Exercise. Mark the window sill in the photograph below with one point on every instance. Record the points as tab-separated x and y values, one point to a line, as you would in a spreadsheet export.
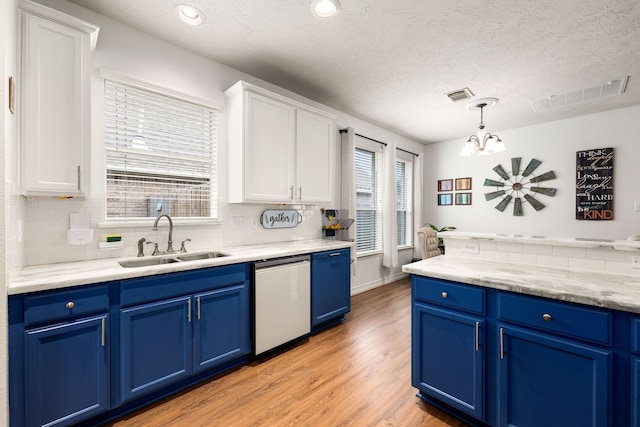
147	222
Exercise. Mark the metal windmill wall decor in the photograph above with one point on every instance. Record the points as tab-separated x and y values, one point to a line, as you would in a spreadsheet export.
517	186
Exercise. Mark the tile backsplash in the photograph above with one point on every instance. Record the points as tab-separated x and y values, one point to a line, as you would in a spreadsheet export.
553	254
46	220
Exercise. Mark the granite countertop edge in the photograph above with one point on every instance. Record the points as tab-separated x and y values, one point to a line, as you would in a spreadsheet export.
606	290
62	275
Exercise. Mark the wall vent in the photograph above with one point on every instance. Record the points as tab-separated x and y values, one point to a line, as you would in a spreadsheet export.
602	90
460	94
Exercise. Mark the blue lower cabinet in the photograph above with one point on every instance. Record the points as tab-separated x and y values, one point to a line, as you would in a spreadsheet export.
155	346
635	391
220	327
548	381
448	358
168	341
66	372
330	287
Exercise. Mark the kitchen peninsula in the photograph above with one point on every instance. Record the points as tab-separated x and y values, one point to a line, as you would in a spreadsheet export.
503	343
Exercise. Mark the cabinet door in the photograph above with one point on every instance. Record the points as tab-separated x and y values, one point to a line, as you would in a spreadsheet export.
155	346
269	150
448	358
330	286
635	392
538	372
313	157
221	326
67	369
54	121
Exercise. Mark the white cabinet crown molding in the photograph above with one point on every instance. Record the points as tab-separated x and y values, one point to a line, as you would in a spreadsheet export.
62	18
297	104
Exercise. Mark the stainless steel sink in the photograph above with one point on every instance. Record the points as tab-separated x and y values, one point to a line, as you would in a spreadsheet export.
145	262
201	255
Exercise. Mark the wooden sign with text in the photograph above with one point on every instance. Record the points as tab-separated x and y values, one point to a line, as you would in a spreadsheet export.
594	184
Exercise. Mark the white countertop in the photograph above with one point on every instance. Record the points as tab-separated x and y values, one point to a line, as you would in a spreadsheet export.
612	291
54	276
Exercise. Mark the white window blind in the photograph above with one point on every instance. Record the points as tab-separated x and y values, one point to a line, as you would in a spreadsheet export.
161	155
368	166
404	186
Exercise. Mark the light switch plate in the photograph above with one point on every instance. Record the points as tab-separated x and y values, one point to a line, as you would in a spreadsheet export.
635	262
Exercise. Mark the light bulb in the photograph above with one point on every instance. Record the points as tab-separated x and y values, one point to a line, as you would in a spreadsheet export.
325	8
189	14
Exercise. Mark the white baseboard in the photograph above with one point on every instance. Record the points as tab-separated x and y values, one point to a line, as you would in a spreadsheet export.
363	287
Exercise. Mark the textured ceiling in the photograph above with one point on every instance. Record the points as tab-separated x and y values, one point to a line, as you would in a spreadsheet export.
391	62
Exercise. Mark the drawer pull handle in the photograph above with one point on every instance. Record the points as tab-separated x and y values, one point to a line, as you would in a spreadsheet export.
477	336
445	295
189	310
198	308
70	305
501	343
546	317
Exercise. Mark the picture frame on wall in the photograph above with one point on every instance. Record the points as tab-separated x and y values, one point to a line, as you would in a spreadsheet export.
463	184
445	199
445	185
463	198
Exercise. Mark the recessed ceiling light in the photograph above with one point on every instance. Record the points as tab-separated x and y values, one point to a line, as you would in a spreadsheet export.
325	8
190	14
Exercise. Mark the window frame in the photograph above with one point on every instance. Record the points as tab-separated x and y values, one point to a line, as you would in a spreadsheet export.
376	149
161	91
409	210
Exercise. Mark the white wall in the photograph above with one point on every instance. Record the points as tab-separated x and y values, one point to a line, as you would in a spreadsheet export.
555	144
7	136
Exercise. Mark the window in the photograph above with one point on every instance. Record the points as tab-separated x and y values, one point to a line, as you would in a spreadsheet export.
160	154
404	196
368	165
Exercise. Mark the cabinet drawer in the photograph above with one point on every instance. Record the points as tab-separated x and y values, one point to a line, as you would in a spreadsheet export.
562	318
61	305
449	294
155	288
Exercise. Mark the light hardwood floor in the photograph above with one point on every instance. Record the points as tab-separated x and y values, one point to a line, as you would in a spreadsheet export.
354	374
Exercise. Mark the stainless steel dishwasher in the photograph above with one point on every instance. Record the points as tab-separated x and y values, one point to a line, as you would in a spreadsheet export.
282	301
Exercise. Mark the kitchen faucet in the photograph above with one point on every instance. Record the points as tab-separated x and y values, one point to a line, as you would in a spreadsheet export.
155	228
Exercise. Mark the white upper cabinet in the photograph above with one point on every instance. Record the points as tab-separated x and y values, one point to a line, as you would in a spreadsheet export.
280	150
54	100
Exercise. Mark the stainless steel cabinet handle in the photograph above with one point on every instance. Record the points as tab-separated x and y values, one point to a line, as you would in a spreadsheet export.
291	190
546	317
104	330
477	336
79	178
300	193
189	310
335	254
70	305
445	295
501	343
198	308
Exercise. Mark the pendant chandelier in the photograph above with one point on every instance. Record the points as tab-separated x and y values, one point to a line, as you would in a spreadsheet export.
484	142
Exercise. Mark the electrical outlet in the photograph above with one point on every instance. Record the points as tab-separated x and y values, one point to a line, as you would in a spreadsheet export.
470	248
635	262
636	206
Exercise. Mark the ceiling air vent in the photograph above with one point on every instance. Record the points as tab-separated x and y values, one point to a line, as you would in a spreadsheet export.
602	90
460	94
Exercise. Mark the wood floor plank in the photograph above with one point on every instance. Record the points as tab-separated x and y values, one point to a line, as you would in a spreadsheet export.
354	374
